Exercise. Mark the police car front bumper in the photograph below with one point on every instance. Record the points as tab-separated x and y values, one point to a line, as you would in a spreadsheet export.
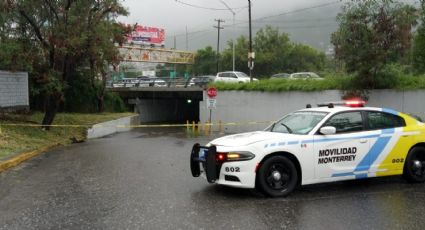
204	161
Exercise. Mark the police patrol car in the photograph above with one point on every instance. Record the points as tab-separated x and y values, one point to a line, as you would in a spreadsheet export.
316	145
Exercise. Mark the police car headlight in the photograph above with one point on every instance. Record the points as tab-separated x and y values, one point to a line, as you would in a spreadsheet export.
235	156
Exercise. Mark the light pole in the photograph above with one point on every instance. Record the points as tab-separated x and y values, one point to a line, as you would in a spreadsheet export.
233	39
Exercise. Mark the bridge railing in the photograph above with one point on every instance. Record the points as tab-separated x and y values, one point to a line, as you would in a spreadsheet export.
160	82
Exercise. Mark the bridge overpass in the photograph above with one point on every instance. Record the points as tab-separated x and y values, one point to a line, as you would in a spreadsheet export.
163	104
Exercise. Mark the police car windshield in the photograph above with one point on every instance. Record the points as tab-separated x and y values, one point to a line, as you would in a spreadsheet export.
298	122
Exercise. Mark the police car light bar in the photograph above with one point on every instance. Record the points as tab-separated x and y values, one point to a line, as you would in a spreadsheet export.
355	103
349	103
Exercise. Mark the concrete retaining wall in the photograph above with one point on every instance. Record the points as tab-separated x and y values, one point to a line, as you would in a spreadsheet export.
110	127
14	91
241	106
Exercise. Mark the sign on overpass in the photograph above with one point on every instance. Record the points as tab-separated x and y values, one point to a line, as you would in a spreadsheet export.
155	55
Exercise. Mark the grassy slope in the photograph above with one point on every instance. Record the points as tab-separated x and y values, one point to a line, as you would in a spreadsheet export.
15	139
329	83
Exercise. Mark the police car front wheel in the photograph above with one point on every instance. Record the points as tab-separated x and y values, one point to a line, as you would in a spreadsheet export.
414	168
277	176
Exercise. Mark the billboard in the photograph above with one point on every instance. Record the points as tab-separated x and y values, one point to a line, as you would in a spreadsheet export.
144	35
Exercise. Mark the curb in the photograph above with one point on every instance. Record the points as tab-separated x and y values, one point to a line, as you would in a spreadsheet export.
16	160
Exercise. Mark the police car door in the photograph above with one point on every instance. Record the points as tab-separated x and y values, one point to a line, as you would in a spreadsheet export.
342	155
388	151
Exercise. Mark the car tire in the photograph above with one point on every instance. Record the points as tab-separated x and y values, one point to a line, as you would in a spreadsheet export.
414	166
277	176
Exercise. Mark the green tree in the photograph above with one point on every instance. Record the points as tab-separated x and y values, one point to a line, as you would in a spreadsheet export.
272	51
419	43
65	37
305	58
205	62
241	55
372	34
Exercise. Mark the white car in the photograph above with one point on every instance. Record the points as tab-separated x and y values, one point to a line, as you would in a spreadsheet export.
233	77
305	75
316	145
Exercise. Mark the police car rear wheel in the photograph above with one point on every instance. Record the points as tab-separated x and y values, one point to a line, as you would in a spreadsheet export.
277	176
414	168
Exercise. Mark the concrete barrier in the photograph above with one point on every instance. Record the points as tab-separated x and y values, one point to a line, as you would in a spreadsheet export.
14	95
111	127
245	106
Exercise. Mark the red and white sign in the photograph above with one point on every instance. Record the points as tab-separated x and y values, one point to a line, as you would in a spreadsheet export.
211	103
144	35
212	92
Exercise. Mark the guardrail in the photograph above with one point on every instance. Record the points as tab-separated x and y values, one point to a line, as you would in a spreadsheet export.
158	82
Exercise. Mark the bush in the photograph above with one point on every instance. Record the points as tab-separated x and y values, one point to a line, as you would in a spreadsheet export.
281	85
391	77
114	103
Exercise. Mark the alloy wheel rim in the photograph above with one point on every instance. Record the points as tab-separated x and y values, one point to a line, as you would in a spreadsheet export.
418	166
278	177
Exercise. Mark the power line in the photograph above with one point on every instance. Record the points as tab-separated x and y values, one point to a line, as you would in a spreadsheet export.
194	32
270	16
298	10
208	8
298	20
293	27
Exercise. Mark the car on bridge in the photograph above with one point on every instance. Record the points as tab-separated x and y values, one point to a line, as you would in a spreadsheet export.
280	76
233	77
203	81
125	82
305	75
332	142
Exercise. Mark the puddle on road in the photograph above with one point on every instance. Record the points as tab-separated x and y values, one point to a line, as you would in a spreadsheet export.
200	130
176	132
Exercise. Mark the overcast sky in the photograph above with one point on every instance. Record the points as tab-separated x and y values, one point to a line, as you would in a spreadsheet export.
175	15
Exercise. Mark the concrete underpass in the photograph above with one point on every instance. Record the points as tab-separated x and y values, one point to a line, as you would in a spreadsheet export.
163	105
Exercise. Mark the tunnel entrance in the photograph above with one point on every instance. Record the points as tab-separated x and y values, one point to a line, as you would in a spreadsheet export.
164	105
168	110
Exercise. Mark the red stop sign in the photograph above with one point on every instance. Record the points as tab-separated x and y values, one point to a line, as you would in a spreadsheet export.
212	92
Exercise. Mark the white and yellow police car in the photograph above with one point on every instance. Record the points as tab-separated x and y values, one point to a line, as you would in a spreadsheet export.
316	145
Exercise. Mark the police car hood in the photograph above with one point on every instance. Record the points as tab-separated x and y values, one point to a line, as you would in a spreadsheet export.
248	138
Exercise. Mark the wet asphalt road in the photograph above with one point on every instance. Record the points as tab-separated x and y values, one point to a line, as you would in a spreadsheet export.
141	180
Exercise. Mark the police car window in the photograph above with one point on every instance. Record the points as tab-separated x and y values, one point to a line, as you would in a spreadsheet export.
298	122
346	122
379	120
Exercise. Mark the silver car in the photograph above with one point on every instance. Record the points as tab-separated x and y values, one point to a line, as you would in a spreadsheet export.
305	75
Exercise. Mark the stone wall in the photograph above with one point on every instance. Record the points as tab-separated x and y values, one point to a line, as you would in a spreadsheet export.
14	93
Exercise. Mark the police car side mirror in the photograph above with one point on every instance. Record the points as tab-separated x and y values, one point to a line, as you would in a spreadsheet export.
328	130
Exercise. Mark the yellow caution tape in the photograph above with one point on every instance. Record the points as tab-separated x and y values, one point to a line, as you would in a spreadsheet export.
139	126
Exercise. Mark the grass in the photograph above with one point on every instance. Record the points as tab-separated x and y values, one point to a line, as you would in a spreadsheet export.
409	82
15	139
282	85
331	82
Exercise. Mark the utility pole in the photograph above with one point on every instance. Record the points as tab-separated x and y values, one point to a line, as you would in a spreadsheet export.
175	66
250	55
219	21
187	40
